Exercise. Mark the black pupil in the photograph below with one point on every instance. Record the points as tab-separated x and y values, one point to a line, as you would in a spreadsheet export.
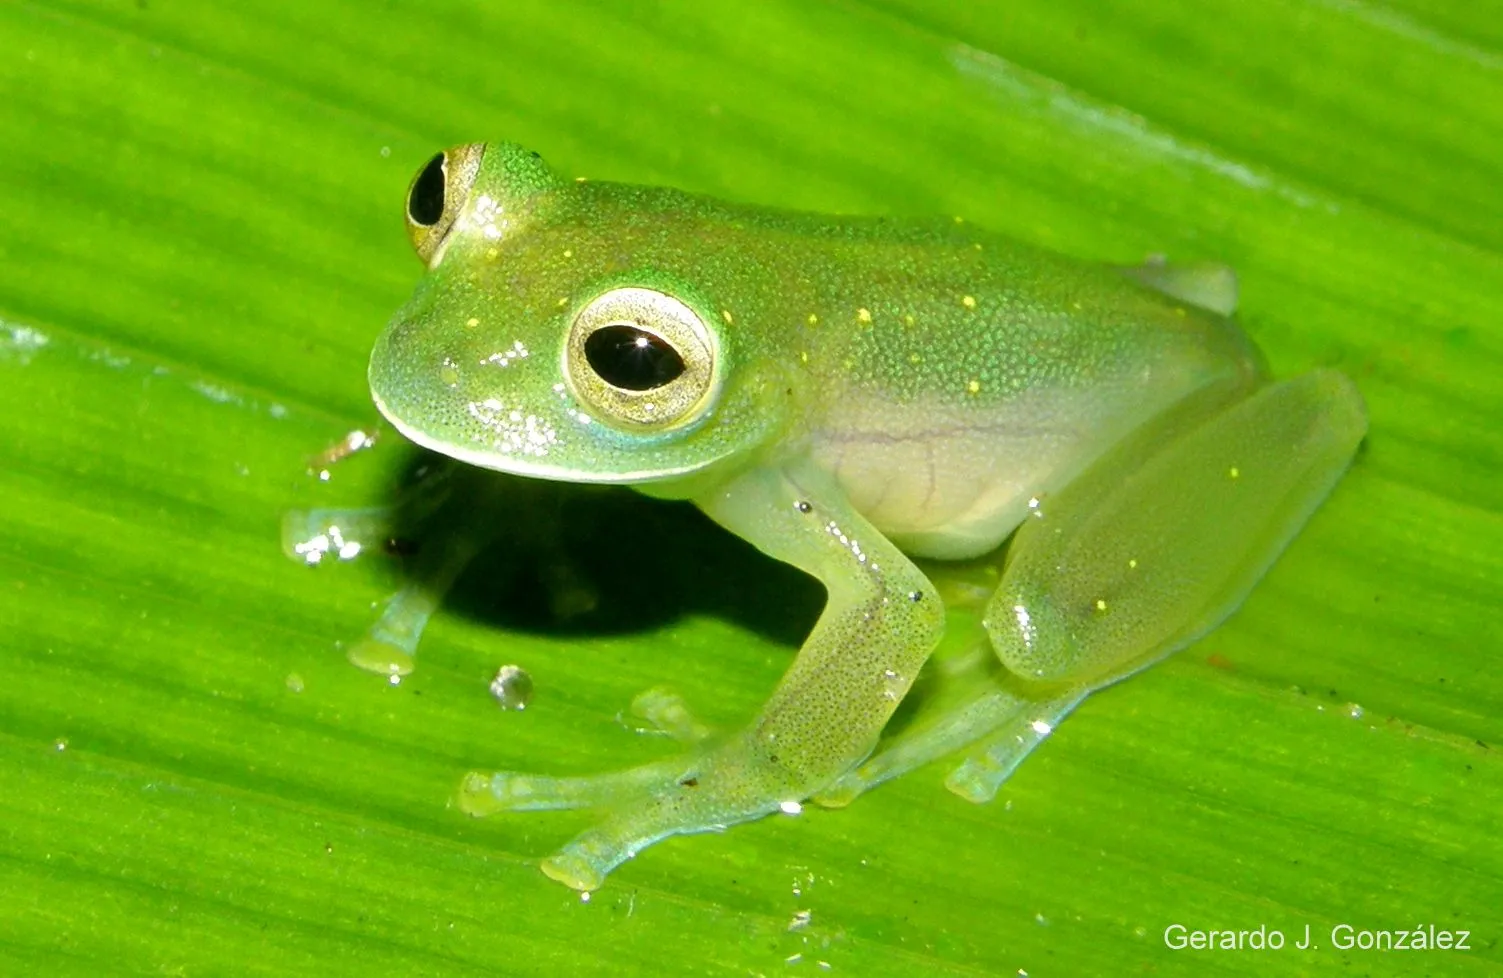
631	358
425	205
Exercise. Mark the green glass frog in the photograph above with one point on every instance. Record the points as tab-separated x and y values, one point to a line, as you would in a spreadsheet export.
1089	464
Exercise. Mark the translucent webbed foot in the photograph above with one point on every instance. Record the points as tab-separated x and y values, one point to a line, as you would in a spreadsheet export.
700	792
312	536
389	646
945	734
666	713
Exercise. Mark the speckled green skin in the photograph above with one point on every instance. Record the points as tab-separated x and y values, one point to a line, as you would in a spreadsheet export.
887	389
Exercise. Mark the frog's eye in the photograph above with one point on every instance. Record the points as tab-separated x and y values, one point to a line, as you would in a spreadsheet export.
436	197
641	358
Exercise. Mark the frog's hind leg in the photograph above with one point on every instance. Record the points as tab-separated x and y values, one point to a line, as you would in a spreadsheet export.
1149	550
1132	561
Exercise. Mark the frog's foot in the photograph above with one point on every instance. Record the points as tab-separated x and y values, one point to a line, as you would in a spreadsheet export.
701	792
665	712
389	646
999	725
949	732
314	536
979	776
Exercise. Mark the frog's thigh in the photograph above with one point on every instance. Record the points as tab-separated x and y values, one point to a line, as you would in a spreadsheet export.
1131	562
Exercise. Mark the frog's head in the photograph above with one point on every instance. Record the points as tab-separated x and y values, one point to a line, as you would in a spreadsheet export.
562	334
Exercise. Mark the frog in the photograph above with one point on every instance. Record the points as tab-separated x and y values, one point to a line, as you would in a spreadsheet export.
1075	466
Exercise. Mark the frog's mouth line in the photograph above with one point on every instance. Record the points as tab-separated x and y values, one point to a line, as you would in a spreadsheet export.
516	463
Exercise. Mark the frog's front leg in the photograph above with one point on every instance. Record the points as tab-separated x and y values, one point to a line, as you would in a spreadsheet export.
882	620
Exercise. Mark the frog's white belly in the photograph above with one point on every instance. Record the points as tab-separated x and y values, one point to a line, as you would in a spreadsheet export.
952	484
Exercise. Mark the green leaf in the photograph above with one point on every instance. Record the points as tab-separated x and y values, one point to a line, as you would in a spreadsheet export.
202	237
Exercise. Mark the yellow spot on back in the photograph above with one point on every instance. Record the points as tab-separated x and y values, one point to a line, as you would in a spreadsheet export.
813	319
914	358
1100	604
908	319
1132	563
974	386
1234	472
492	253
472	322
727	314
563	301
969	301
977	246
864	316
568	252
803	356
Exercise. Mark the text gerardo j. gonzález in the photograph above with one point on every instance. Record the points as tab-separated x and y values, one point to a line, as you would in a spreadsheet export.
1305	937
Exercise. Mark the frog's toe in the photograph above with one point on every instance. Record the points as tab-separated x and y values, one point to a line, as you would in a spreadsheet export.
378	655
487	792
977	780
666	712
979	776
841	792
575	869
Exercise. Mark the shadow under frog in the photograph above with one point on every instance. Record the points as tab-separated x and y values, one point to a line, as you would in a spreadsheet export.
554	559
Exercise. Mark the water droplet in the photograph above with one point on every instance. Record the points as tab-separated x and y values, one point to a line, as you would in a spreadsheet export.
294	682
512	688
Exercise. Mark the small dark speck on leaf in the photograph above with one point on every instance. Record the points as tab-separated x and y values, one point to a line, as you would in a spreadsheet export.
398	547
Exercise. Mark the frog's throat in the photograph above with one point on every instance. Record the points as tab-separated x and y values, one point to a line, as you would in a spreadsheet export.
530	468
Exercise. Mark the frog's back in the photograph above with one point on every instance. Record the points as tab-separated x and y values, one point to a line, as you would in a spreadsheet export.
958	379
